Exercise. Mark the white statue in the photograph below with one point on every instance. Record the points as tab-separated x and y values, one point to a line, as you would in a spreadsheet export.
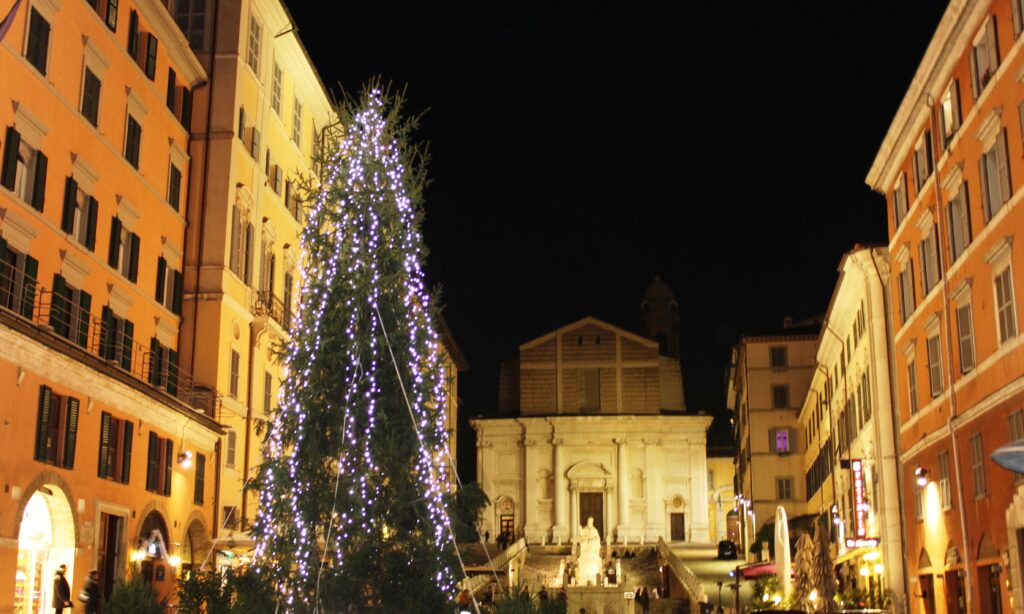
590	553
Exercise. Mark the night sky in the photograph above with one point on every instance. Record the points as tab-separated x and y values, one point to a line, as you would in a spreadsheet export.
580	149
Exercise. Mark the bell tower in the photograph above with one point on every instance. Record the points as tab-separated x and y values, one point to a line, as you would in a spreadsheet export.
660	314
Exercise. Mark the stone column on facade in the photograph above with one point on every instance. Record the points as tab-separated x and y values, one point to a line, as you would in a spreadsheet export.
574	513
560	533
623	487
529	490
698	531
654	516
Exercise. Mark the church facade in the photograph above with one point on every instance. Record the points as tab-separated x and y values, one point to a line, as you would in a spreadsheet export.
592	424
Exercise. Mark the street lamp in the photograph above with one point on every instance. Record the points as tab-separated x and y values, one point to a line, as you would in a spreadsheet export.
921	473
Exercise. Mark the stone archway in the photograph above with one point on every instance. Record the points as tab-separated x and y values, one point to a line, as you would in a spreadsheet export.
196	544
47	538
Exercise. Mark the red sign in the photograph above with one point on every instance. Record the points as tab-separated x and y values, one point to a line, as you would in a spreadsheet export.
860	506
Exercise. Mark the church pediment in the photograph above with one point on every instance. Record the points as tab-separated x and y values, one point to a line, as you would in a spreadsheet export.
589	322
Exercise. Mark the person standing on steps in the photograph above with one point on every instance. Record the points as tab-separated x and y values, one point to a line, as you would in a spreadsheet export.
61	591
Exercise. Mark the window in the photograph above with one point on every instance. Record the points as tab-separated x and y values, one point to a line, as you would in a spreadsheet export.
589	390
269	266
994	171
132	141
150	64
912	385
1017	13
133	35
37	46
930	272
780	396
919	500
123	255
275	90
780	440
242	239
944	492
17	280
69	312
252	57
934	365
906	281
79	216
254	143
268	382
899	199
172	89
949	112
287	293
230	517
190	16
784	487
232	445
169	286
984	57
297	123
1017	425
91	97
160	461
777	356
978	465
200	485
1006	315
186	108
117	339
958	211
291	200
115	448
111	18
276	178
24	169
163	366
174	187
241	124
965	335
233	375
56	429
923	160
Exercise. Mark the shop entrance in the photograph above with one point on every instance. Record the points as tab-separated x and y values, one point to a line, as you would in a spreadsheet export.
46	540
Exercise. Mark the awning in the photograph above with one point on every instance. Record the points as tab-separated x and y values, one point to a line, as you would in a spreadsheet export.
852	554
1010	456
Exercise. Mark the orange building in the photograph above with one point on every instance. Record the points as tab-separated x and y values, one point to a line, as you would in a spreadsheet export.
951	168
106	460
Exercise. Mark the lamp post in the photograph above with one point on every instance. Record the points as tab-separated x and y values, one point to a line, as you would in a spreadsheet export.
719	583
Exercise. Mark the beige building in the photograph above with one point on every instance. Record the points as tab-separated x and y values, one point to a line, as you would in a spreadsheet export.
723	521
767	382
599	431
851	468
255	131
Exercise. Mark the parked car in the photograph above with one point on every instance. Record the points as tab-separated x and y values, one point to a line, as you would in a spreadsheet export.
727	550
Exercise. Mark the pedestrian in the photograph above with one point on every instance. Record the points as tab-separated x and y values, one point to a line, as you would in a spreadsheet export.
543	594
487	536
644	599
61	591
90	595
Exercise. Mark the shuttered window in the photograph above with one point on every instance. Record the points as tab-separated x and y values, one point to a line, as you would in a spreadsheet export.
174	187
780	396
994	171
230	448
133	35
160	462
78	218
958	212
132	141
949	112
906	282
56	429
923	159
1006	312
115	453
934	365
945	495
24	169
965	334
37	47
233	375
930	272
117	339
17	280
200	485
978	465
899	199
91	97
172	90
984	57
150	63
912	385
69	312
123	253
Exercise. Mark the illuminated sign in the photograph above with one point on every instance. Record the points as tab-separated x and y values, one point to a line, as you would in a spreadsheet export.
860	505
864	542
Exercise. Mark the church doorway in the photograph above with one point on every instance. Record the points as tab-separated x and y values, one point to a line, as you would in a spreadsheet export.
46	540
592	505
678	526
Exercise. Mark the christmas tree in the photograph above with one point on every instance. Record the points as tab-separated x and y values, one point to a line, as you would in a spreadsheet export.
802	565
353	507
821	570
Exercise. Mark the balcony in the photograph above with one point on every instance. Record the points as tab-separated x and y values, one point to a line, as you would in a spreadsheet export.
70	328
266	305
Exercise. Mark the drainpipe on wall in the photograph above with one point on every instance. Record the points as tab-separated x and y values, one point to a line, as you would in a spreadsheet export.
950	425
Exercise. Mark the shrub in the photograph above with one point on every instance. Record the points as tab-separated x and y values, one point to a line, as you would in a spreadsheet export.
133	595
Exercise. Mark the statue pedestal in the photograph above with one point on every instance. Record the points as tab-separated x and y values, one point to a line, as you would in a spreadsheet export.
589	569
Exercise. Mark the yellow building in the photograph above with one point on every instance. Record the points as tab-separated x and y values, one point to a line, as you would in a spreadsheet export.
105	458
255	132
723	521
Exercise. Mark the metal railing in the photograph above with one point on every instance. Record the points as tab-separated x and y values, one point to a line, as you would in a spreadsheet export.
686	576
65	317
266	304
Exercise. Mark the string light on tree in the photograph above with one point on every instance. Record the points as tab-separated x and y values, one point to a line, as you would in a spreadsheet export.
352	499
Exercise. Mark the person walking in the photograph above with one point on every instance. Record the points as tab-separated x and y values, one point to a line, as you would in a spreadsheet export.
644	599
91	593
61	591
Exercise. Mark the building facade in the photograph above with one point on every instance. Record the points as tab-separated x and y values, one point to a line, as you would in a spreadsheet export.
851	471
109	455
599	432
255	128
951	169
767	382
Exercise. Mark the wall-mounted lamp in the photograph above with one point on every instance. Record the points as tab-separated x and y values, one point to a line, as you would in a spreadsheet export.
185	460
921	474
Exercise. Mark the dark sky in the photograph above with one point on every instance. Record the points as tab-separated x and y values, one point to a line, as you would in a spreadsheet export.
579	149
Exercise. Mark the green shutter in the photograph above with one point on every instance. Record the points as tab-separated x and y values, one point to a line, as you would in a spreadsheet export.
90	229
200	487
67	217
115	242
108	338
126	454
84	317
104	464
39	182
176	298
70	433
161	275
152	464
154	362
28	292
59	308
9	171
172	372
127	342
133	255
43	423
168	465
